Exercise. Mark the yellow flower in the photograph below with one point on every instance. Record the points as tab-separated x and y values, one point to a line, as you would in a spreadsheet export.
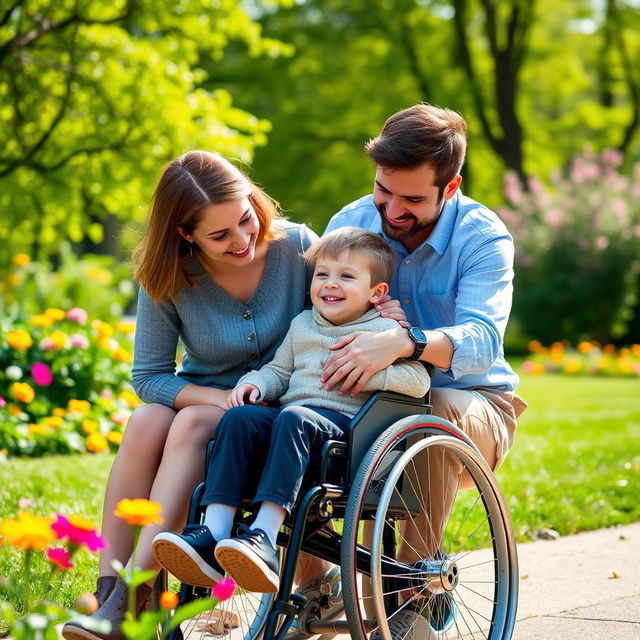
14	280
89	426
122	355
573	366
101	275
115	437
59	339
79	406
102	328
41	320
19	339
96	443
59	412
36	429
21	259
130	398
53	421
23	392
169	600
27	532
138	512
126	327
54	314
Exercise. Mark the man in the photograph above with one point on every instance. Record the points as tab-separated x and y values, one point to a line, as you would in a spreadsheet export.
454	281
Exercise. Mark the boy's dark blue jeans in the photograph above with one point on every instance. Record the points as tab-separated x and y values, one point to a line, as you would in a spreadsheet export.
265	451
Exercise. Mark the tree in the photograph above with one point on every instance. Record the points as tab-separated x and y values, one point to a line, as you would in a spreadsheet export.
95	96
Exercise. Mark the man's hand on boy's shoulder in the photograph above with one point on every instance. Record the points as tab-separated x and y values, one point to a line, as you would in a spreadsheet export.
360	355
390	308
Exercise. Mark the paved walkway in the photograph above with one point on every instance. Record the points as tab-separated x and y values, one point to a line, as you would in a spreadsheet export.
581	587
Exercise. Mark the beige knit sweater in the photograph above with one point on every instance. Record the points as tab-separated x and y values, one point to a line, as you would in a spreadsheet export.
293	375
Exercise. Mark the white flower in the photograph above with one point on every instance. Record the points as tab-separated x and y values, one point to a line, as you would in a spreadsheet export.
13	372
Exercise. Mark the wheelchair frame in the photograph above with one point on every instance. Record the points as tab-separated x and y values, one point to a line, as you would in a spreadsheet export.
342	467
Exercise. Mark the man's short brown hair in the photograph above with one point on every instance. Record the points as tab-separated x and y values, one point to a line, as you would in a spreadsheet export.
382	260
419	135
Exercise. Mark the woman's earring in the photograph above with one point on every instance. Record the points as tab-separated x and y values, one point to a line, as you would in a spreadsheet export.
191	249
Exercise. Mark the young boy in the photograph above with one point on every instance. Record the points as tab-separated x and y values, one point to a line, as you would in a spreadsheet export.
351	269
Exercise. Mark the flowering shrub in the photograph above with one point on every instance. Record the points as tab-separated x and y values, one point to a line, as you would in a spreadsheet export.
97	283
587	358
64	383
577	251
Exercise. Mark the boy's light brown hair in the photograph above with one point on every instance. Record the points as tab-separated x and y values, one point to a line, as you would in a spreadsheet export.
382	260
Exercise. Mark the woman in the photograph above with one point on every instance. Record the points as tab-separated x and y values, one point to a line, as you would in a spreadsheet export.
211	266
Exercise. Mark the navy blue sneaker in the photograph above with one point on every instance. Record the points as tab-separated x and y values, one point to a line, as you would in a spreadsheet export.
189	556
443	612
250	560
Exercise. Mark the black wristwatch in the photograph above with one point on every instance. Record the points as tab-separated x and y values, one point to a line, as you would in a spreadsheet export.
420	339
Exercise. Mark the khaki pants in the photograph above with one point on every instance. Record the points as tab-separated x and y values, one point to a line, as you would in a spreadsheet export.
488	417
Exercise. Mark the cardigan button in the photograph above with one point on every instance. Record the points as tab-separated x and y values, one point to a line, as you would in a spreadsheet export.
246	314
250	336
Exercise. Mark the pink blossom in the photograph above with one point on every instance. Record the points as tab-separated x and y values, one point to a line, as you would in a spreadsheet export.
612	157
512	188
526	261
619	207
528	366
554	218
80	532
60	557
77	315
47	344
224	589
26	503
41	374
79	341
117	417
105	393
602	242
3	403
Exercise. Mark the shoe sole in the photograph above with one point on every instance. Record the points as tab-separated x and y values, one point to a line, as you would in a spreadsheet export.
73	632
247	569
182	561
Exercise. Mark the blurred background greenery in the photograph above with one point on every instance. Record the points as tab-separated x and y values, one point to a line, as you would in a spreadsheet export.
96	96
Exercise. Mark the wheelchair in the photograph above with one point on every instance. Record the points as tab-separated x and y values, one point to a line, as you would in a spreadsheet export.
397	545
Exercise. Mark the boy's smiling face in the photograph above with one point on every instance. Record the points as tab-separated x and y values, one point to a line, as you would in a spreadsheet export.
341	288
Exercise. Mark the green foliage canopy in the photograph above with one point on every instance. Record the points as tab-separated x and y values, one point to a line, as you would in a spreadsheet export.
95	96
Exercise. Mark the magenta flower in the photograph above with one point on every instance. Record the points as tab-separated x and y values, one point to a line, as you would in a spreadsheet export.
79	341
60	557
3	403
41	374
78	531
77	315
224	589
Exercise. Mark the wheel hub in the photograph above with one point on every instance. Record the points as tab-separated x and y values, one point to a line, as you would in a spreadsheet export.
437	575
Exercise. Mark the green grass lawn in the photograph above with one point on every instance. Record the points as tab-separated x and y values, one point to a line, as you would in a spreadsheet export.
575	466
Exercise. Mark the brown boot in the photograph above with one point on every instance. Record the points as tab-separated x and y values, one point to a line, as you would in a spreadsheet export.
104	587
112	610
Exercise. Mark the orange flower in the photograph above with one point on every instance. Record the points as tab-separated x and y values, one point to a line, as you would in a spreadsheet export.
14	410
115	437
28	532
23	392
534	346
122	355
89	426
138	512
585	347
53	421
168	600
96	443
19	339
130	398
79	406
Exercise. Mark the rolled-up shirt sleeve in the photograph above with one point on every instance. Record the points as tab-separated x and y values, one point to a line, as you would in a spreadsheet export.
153	376
482	307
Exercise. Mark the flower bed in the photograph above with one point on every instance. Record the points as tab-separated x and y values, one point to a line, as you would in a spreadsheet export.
64	383
587	358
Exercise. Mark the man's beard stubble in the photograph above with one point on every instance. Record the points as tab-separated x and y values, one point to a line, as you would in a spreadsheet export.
416	227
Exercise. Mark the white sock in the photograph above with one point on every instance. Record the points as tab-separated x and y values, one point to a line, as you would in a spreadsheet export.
270	519
219	519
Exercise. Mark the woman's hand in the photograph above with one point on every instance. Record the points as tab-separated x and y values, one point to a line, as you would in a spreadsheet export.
390	308
237	395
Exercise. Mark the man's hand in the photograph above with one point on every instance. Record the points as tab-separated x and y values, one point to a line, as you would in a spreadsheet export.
357	357
390	308
238	394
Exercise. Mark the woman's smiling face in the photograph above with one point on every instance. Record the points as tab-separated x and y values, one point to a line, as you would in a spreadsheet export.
226	234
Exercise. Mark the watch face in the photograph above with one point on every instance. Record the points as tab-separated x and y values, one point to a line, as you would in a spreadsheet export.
418	335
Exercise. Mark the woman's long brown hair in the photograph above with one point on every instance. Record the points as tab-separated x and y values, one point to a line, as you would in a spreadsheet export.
189	184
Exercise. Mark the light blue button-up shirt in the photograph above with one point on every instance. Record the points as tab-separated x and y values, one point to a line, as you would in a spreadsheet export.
458	281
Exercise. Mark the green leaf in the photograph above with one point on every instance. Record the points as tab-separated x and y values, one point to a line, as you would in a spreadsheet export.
189	610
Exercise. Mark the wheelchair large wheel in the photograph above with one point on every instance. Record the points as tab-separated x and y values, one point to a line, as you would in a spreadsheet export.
440	563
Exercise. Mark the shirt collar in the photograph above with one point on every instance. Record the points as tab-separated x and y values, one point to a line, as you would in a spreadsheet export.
441	234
